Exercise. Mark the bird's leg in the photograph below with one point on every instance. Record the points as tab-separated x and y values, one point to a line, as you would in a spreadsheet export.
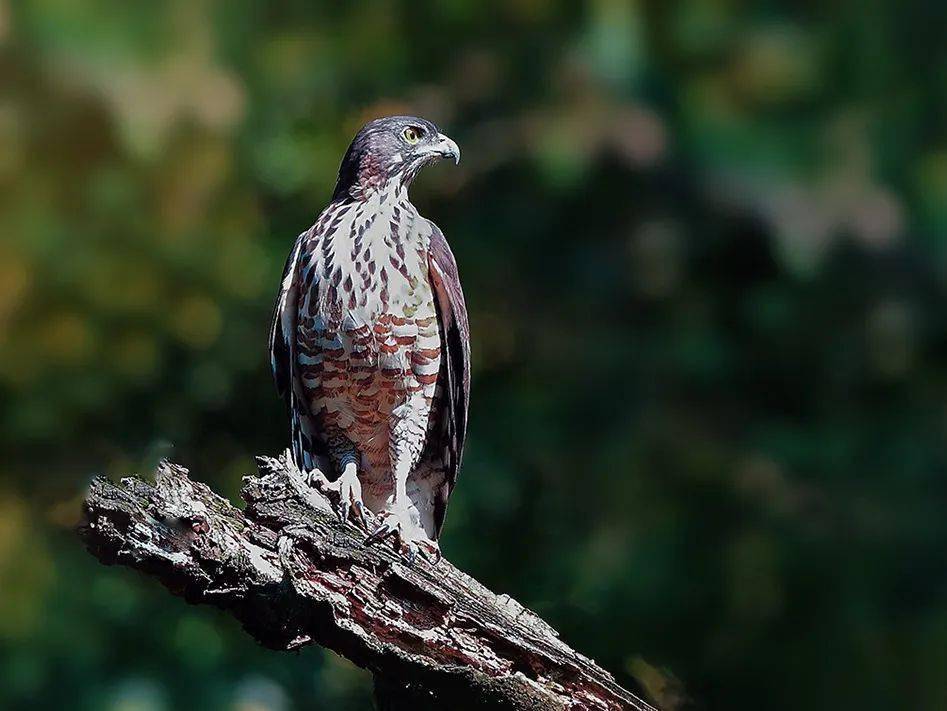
396	519
390	519
347	487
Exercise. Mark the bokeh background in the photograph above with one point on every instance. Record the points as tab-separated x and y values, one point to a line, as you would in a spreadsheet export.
704	245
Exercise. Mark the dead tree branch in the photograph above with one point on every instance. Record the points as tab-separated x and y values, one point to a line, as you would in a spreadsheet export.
293	575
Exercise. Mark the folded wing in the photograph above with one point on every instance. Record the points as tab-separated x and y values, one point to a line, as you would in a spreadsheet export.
449	436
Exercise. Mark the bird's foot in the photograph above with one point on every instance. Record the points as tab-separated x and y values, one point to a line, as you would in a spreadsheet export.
408	538
348	490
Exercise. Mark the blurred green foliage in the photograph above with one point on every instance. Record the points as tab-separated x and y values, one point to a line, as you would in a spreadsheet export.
704	245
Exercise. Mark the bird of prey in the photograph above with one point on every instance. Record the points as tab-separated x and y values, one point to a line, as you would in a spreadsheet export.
370	343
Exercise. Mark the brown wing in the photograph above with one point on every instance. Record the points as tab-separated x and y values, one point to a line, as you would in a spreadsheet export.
455	338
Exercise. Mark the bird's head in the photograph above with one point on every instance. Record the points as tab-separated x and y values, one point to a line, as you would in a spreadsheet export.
388	153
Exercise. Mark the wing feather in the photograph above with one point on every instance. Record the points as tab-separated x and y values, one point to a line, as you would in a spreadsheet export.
306	447
283	325
455	339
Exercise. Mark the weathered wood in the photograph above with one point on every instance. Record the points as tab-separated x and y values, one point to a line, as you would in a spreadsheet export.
294	574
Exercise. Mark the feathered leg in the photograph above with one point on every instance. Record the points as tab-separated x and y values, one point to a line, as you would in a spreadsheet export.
347	486
400	518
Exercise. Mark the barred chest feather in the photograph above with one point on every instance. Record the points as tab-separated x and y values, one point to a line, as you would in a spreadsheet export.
368	344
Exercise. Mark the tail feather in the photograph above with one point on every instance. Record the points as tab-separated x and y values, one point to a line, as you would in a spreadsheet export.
308	451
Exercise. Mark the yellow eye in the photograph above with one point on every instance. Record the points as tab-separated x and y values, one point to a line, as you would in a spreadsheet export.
411	135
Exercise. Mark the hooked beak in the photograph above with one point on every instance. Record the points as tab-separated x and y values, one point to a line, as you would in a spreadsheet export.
446	148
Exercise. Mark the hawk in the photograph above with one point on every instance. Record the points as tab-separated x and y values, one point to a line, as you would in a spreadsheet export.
370	345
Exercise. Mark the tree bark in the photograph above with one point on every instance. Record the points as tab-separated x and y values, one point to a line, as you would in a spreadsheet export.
293	574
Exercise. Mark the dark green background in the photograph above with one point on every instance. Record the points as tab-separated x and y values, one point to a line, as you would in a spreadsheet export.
704	246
